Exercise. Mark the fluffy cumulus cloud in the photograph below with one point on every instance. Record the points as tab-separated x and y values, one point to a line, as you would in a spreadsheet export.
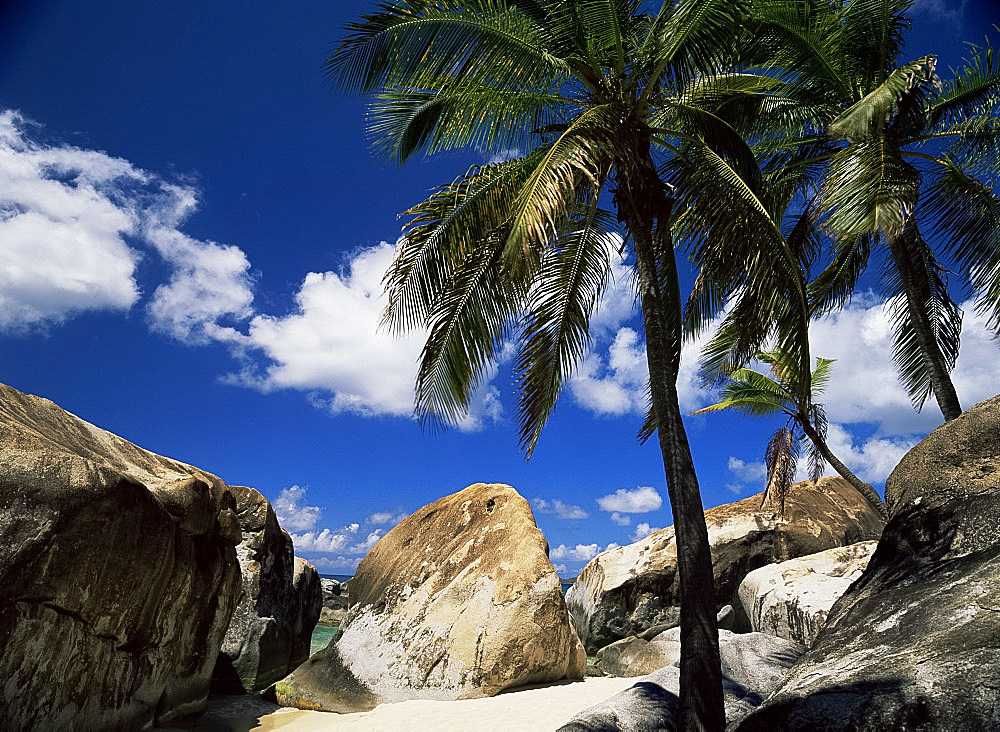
744	473
74	225
620	519
641	500
864	386
561	510
292	514
578	553
611	380
386	518
642	530
331	346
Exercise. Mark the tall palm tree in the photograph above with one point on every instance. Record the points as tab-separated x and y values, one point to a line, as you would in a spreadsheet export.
597	92
792	393
904	154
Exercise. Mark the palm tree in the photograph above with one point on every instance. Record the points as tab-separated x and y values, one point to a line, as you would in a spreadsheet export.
904	154
791	393
596	92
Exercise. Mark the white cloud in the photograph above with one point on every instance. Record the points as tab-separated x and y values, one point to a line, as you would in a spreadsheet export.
63	227
363	547
864	386
561	510
380	518
291	514
872	460
210	281
643	530
949	10
67	216
560	569
578	553
747	472
620	519
641	500
342	563
325	541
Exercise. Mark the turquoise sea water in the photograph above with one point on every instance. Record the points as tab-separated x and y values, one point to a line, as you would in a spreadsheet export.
321	637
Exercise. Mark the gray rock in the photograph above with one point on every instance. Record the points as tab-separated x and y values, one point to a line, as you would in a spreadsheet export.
627	590
280	601
753	664
457	601
915	642
792	599
118	572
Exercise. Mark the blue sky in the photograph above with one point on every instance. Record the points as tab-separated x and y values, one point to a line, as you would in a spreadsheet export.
192	234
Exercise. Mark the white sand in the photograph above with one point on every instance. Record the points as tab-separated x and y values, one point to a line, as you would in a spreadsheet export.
530	708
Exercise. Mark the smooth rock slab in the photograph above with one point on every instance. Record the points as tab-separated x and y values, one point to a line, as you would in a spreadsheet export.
915	642
626	590
792	599
457	601
118	574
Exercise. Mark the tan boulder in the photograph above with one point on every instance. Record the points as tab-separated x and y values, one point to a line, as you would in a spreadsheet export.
118	572
457	601
792	599
626	590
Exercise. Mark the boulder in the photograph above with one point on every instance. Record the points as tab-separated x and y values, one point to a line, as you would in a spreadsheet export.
457	601
914	643
792	599
335	601
753	664
626	590
279	604
119	575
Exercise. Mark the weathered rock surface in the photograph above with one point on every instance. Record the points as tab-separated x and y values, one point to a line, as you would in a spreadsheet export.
279	604
626	590
753	665
792	599
457	601
335	601
118	573
915	642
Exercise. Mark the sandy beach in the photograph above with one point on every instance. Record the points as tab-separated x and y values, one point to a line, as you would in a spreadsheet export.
544	707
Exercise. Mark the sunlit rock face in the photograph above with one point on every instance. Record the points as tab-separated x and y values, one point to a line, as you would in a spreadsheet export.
280	601
792	599
626	590
458	601
915	642
118	573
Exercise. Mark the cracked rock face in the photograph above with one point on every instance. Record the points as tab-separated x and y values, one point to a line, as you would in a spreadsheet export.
915	642
118	574
625	591
458	601
280	601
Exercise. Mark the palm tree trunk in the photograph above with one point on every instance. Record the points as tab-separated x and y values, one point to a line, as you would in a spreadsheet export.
863	488
702	706
937	370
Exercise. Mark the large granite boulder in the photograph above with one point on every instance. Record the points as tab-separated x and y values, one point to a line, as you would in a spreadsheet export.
626	590
279	604
915	642
753	664
118	573
792	599
457	601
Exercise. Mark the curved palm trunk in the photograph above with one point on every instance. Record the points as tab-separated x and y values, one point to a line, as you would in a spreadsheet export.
937	369
863	488
702	708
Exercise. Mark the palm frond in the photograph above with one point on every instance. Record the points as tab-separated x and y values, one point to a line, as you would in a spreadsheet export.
965	217
413	43
861	119
918	282
555	334
973	91
751	393
834	286
816	461
820	378
443	229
